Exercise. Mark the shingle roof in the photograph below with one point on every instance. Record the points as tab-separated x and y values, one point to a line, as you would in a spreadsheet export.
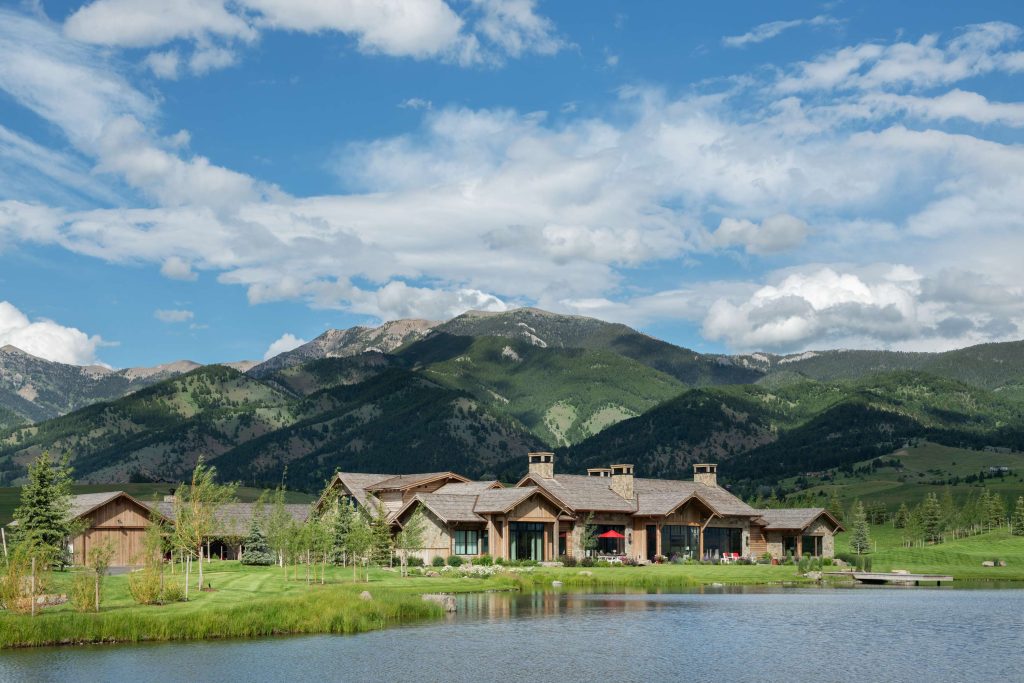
793	518
401	481
357	483
84	502
469	487
721	500
235	519
500	500
449	507
583	492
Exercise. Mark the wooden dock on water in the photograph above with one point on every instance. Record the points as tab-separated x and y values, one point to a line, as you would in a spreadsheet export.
904	578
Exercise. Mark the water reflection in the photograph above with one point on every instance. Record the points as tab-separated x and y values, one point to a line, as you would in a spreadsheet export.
714	634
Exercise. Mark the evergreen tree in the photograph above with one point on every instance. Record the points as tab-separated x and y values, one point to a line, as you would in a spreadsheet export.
44	514
981	508
381	542
1018	518
931	519
256	551
342	523
948	508
996	511
902	517
834	507
860	535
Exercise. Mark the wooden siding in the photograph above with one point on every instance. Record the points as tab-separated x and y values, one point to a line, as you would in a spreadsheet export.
121	522
758	542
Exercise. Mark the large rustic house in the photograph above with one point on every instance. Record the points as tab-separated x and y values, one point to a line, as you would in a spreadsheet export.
543	515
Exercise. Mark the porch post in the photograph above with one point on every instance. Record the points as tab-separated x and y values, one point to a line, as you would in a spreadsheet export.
657	540
556	540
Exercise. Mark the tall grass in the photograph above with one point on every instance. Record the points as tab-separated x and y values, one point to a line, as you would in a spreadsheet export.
330	610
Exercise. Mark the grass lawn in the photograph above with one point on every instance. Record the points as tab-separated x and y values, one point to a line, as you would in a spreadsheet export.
959	558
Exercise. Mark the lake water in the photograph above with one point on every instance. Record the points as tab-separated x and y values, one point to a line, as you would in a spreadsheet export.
750	634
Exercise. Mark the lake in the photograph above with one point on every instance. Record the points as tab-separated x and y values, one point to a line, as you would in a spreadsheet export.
714	634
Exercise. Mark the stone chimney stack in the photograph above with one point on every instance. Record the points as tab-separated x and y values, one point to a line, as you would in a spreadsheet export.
706	473
622	480
599	471
542	464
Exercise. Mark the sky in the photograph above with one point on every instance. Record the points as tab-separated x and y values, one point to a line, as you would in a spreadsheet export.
223	180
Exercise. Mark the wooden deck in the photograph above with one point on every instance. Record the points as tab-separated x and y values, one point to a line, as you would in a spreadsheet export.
894	577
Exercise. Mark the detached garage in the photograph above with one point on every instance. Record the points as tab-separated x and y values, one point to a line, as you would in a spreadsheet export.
112	517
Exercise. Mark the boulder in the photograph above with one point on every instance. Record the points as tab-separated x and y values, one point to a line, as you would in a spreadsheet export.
446	601
365	595
586	573
432	573
556	584
988	563
1002	563
814	576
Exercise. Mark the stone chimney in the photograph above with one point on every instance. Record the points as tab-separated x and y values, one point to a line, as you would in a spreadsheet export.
599	472
542	464
622	480
706	473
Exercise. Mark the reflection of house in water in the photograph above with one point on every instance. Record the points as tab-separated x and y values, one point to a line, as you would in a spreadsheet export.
542	516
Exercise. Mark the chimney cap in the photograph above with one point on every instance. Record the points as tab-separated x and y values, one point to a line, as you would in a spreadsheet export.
541	456
622	468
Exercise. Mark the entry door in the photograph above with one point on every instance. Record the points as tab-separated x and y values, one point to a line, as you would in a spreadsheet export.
652	541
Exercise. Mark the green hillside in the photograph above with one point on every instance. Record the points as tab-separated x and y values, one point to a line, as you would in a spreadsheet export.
561	395
767	434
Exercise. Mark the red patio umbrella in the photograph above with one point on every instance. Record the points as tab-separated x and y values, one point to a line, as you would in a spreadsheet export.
611	533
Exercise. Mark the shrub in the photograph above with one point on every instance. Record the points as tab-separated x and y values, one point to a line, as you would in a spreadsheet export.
173	592
83	592
602	563
867	564
144	587
587	562
438	561
630	562
484	561
567	561
454	561
414	561
803	565
827	562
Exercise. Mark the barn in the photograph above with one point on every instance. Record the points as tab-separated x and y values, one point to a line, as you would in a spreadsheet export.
111	517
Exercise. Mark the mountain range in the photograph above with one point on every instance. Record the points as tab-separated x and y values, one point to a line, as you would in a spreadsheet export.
475	392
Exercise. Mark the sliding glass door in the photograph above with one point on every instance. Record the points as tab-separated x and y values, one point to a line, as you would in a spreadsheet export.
526	540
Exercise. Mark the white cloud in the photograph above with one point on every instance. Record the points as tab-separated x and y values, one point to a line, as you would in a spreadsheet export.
46	338
164	64
177	268
420	29
771	29
398	300
776	233
174	315
286	342
416	103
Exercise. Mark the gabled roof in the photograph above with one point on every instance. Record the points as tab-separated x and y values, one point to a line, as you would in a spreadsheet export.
469	487
235	519
716	497
503	500
401	482
448	507
663	504
581	492
84	503
795	519
357	484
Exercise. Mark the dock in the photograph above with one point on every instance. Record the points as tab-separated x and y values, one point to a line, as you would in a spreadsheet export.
905	578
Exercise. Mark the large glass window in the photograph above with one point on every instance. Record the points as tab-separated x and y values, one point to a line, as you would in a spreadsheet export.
811	545
466	541
680	541
718	540
526	540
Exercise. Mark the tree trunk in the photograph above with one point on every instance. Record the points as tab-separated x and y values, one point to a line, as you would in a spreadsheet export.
199	586
97	590
188	571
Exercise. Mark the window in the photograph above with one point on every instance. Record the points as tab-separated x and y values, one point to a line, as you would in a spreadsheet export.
526	540
720	540
811	545
679	541
466	541
485	543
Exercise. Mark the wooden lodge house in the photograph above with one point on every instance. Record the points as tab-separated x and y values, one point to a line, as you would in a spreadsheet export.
541	517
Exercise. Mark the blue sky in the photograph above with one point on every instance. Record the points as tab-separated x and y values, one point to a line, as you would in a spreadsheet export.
216	180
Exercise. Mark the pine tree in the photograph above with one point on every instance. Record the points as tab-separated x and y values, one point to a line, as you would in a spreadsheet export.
902	516
381	544
44	514
996	511
835	508
981	508
256	551
342	522
860	536
948	508
1018	518
931	519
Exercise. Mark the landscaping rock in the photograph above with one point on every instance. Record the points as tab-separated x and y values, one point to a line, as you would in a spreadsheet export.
814	576
1002	563
365	595
586	573
840	563
446	601
432	573
988	563
556	584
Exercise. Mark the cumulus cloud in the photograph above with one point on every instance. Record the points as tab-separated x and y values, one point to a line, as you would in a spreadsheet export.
46	338
177	268
398	300
776	233
286	342
486	31
173	315
771	29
